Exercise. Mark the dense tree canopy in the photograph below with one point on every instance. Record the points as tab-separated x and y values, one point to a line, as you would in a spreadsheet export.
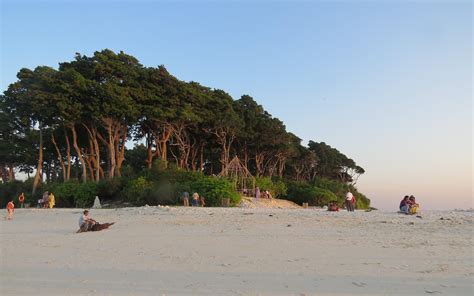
78	122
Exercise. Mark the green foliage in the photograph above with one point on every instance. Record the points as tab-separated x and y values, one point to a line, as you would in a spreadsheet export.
300	192
88	102
137	190
73	194
111	189
276	187
214	190
11	191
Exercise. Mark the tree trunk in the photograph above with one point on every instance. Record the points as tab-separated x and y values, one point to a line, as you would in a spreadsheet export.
39	168
60	157
11	173
201	162
68	153
79	153
259	157
150	154
120	148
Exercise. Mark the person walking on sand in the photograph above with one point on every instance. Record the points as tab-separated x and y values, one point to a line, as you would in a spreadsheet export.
10	209
186	199
349	201
52	201
21	199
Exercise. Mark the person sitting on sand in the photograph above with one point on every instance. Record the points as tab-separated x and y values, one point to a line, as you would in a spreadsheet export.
10	209
404	205
268	194
85	222
333	206
413	206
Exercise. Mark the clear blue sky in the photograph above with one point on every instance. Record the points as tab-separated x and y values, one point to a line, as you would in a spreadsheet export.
388	83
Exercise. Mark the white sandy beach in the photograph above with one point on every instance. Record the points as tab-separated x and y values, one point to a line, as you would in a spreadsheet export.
234	251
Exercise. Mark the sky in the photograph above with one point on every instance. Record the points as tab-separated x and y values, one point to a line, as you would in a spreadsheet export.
388	83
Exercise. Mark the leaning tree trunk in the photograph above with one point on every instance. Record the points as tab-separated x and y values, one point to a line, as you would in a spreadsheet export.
39	168
68	156
60	157
79	153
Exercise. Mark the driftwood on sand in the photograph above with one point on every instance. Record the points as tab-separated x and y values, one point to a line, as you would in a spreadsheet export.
95	227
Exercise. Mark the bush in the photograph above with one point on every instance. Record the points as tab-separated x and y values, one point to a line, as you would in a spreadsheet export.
276	188
74	194
11	191
214	190
111	189
303	192
137	190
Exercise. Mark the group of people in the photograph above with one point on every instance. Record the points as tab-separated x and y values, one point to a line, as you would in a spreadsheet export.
47	201
196	201
349	202
262	194
11	206
408	205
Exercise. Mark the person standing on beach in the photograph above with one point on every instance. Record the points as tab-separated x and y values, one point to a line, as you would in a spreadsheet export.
186	199
195	201
202	201
45	199
21	199
349	201
10	209
257	192
51	201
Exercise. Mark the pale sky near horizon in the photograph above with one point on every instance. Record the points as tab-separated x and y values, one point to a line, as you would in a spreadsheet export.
388	83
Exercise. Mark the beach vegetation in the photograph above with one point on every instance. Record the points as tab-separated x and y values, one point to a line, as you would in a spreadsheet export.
141	134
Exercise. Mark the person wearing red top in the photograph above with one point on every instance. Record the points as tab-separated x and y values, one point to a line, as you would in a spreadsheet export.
21	199
10	210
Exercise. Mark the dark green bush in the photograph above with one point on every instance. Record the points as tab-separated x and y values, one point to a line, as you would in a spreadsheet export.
276	187
74	194
214	190
303	192
11	191
111	189
137	190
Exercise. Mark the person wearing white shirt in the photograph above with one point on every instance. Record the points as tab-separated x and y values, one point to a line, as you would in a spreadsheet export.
350	202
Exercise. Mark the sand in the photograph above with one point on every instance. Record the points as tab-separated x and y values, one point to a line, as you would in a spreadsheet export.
235	251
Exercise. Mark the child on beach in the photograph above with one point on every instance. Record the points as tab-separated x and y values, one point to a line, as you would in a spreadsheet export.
10	210
413	206
21	199
195	201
